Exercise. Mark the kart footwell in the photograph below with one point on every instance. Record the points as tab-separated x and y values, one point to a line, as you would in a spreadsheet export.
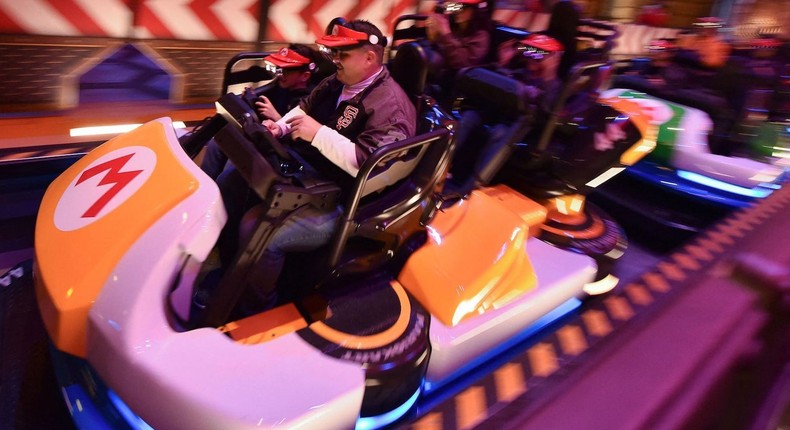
665	343
26	373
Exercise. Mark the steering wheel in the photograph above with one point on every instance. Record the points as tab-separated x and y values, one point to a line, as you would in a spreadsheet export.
250	95
251	124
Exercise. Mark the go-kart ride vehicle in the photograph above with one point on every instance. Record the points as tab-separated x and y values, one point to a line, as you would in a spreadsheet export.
141	211
558	157
683	186
732	147
404	299
683	156
722	145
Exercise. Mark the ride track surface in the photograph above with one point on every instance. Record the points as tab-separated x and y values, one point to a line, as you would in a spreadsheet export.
513	388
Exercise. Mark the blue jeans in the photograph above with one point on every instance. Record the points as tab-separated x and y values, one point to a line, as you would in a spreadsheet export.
477	143
307	229
310	229
214	160
471	126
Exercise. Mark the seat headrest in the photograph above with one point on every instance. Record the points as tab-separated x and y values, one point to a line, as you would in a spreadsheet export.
492	91
409	68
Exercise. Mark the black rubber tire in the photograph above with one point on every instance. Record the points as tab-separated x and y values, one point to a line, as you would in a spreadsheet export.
394	371
605	249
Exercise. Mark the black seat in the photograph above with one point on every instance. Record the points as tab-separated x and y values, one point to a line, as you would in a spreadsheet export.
597	38
394	192
388	217
406	28
409	68
504	98
252	72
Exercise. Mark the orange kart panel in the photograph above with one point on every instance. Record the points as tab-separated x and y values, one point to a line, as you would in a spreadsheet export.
92	214
532	212
642	116
476	257
265	326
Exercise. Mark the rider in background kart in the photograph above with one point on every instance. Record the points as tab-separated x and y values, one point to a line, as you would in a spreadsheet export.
460	32
768	70
765	57
534	61
296	66
345	118
705	46
658	70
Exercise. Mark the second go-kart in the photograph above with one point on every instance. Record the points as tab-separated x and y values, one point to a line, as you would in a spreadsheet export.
404	298
683	156
558	157
723	144
682	186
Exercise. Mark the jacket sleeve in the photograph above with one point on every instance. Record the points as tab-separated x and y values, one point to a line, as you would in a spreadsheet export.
285	128
390	124
391	117
337	149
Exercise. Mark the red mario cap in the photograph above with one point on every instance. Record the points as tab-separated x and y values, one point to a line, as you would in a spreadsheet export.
476	3
543	43
660	45
289	59
344	37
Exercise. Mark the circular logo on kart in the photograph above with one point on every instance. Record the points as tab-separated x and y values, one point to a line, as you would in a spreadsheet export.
103	186
658	110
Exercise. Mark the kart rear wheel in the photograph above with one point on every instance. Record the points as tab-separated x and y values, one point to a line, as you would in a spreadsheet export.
383	329
597	235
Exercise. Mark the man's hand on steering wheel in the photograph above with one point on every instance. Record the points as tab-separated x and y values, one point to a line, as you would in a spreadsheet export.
273	128
304	127
264	134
